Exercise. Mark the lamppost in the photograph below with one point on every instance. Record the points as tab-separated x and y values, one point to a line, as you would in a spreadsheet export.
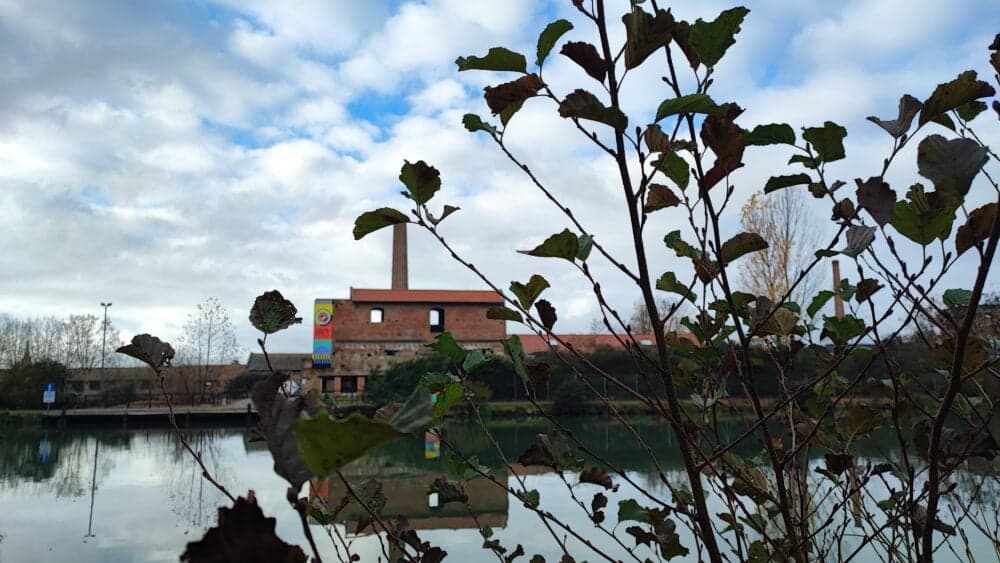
104	339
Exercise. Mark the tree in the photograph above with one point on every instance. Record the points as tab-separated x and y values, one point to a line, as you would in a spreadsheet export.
207	339
670	313
784	221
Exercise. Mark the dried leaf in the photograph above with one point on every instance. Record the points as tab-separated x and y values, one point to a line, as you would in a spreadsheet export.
449	491
546	313
585	55
596	476
908	108
876	197
659	197
948	96
149	349
581	104
271	312
512	94
645	33
243	534
978	227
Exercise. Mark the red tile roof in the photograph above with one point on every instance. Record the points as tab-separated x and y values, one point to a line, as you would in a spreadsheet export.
425	296
534	344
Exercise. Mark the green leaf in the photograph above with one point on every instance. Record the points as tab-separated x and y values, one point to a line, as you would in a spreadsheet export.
779	182
475	123
675	168
527	293
549	36
581	104
948	96
957	297
739	245
371	221
327	445
804	160
977	227
908	108
451	395
415	414
858	419
818	302
645	33
499	313
498	58
531	498
668	282
659	197
969	110
446	345
422	181
827	141
711	39
515	350
683	249
841	330
770	134
472	360
692	103
271	312
924	217
507	98
586	244
951	165
563	245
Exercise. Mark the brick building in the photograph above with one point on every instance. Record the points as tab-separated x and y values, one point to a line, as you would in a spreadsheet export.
358	337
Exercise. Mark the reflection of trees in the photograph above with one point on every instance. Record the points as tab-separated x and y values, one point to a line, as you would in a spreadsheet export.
188	497
68	469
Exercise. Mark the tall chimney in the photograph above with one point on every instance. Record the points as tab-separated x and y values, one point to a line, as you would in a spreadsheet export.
399	269
838	302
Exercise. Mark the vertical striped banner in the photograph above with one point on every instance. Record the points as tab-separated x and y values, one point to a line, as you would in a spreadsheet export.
322	333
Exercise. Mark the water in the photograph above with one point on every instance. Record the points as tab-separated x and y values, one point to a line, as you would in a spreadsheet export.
115	495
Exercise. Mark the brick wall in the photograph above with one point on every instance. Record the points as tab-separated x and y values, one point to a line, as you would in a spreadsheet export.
410	322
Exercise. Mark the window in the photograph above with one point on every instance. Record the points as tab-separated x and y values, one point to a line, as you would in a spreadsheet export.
328	383
391	352
437	320
377	314
94	385
77	386
349	384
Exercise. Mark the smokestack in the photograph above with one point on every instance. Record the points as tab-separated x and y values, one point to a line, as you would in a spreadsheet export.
838	302
400	275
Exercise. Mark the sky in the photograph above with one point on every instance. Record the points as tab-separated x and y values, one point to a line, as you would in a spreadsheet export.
158	153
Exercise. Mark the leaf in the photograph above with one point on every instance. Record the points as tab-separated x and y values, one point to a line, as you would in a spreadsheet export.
804	160
854	420
739	245
243	533
581	104
978	227
328	445
827	141
683	249
445	345
770	134
422	181
598	502
721	134
474	123
668	282
692	103
586	244
536	454
645	33
149	349
448	491
546	313
596	476
416	413
858	240
515	351
505	99
549	36
586	56
371	221
277	414
948	96
659	197
711	39
877	198
538	374
957	297
866	288
841	330
818	302
675	168
448	210
563	245
776	183
498	58
531	498
924	217
271	312
527	293
629	509
499	313
656	139
951	165
970	110
838	463
908	108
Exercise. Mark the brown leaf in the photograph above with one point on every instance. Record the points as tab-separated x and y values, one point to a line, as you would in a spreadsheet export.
449	491
546	312
908	108
539	374
660	196
645	33
844	210
977	227
585	55
243	534
536	454
721	134
596	476
277	414
866	288
877	198
149	349
271	312
838	463
502	96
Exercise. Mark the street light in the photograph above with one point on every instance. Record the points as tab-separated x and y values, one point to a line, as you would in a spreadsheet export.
104	339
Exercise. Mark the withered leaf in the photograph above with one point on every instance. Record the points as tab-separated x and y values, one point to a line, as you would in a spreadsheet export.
277	414
838	463
149	349
596	476
243	534
585	55
271	312
908	108
645	33
659	197
515	92
539	374
546	312
876	197
978	227
449	491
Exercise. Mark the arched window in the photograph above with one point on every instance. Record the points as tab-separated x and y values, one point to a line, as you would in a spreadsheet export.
376	315
436	320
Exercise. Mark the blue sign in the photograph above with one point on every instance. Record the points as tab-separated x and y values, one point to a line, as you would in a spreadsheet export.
50	387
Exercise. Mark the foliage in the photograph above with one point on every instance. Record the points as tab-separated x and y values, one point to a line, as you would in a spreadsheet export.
21	386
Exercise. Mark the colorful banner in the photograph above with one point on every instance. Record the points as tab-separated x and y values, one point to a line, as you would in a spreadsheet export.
322	333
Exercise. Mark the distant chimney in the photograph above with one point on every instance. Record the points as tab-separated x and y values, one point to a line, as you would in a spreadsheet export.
838	302
399	269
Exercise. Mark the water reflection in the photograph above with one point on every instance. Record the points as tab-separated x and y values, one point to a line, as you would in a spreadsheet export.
102	494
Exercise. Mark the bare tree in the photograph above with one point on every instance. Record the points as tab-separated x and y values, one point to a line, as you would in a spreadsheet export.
640	322
784	220
208	339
